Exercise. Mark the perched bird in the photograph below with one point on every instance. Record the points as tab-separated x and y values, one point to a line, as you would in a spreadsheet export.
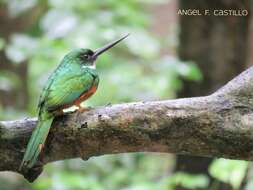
74	81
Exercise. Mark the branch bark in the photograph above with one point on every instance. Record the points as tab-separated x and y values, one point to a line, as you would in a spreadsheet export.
218	125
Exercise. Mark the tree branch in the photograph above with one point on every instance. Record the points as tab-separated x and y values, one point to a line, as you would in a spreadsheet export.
219	125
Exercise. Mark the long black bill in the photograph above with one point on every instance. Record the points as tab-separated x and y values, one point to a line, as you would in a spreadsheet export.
108	46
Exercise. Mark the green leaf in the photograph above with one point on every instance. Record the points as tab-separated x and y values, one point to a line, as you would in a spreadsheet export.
189	181
229	171
190	71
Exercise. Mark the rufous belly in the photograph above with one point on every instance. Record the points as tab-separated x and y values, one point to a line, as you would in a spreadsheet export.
78	101
85	95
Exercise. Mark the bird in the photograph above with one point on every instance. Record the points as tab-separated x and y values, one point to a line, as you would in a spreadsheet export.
72	82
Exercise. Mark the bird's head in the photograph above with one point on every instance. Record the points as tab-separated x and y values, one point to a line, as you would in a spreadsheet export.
87	57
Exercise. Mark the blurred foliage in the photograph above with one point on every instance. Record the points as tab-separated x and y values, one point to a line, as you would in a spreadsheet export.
133	71
189	181
229	171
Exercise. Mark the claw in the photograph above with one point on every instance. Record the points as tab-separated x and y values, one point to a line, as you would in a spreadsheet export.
82	109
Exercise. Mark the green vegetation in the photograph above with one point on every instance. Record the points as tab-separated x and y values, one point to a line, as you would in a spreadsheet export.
134	71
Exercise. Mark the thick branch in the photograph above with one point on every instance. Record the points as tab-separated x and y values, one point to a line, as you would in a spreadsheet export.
219	125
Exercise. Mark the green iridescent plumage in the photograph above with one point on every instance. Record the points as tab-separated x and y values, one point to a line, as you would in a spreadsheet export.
71	79
74	80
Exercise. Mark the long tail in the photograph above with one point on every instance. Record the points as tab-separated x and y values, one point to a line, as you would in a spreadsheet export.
37	140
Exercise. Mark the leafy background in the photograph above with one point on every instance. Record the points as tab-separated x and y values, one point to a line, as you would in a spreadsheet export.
138	69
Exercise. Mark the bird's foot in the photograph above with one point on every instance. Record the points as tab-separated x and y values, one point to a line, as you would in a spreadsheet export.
109	104
82	109
58	112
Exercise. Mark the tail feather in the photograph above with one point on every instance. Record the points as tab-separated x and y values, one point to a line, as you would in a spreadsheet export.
37	140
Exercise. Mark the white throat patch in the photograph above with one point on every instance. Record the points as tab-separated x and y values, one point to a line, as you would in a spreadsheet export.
89	66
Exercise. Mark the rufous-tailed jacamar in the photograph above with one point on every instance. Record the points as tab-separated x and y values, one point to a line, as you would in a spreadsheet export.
74	81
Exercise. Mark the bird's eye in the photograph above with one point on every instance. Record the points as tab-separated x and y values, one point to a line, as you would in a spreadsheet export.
85	56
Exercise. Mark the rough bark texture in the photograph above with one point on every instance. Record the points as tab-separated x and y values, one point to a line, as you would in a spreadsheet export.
218	125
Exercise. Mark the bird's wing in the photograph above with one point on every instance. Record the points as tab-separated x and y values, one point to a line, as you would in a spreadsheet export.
44	93
65	88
